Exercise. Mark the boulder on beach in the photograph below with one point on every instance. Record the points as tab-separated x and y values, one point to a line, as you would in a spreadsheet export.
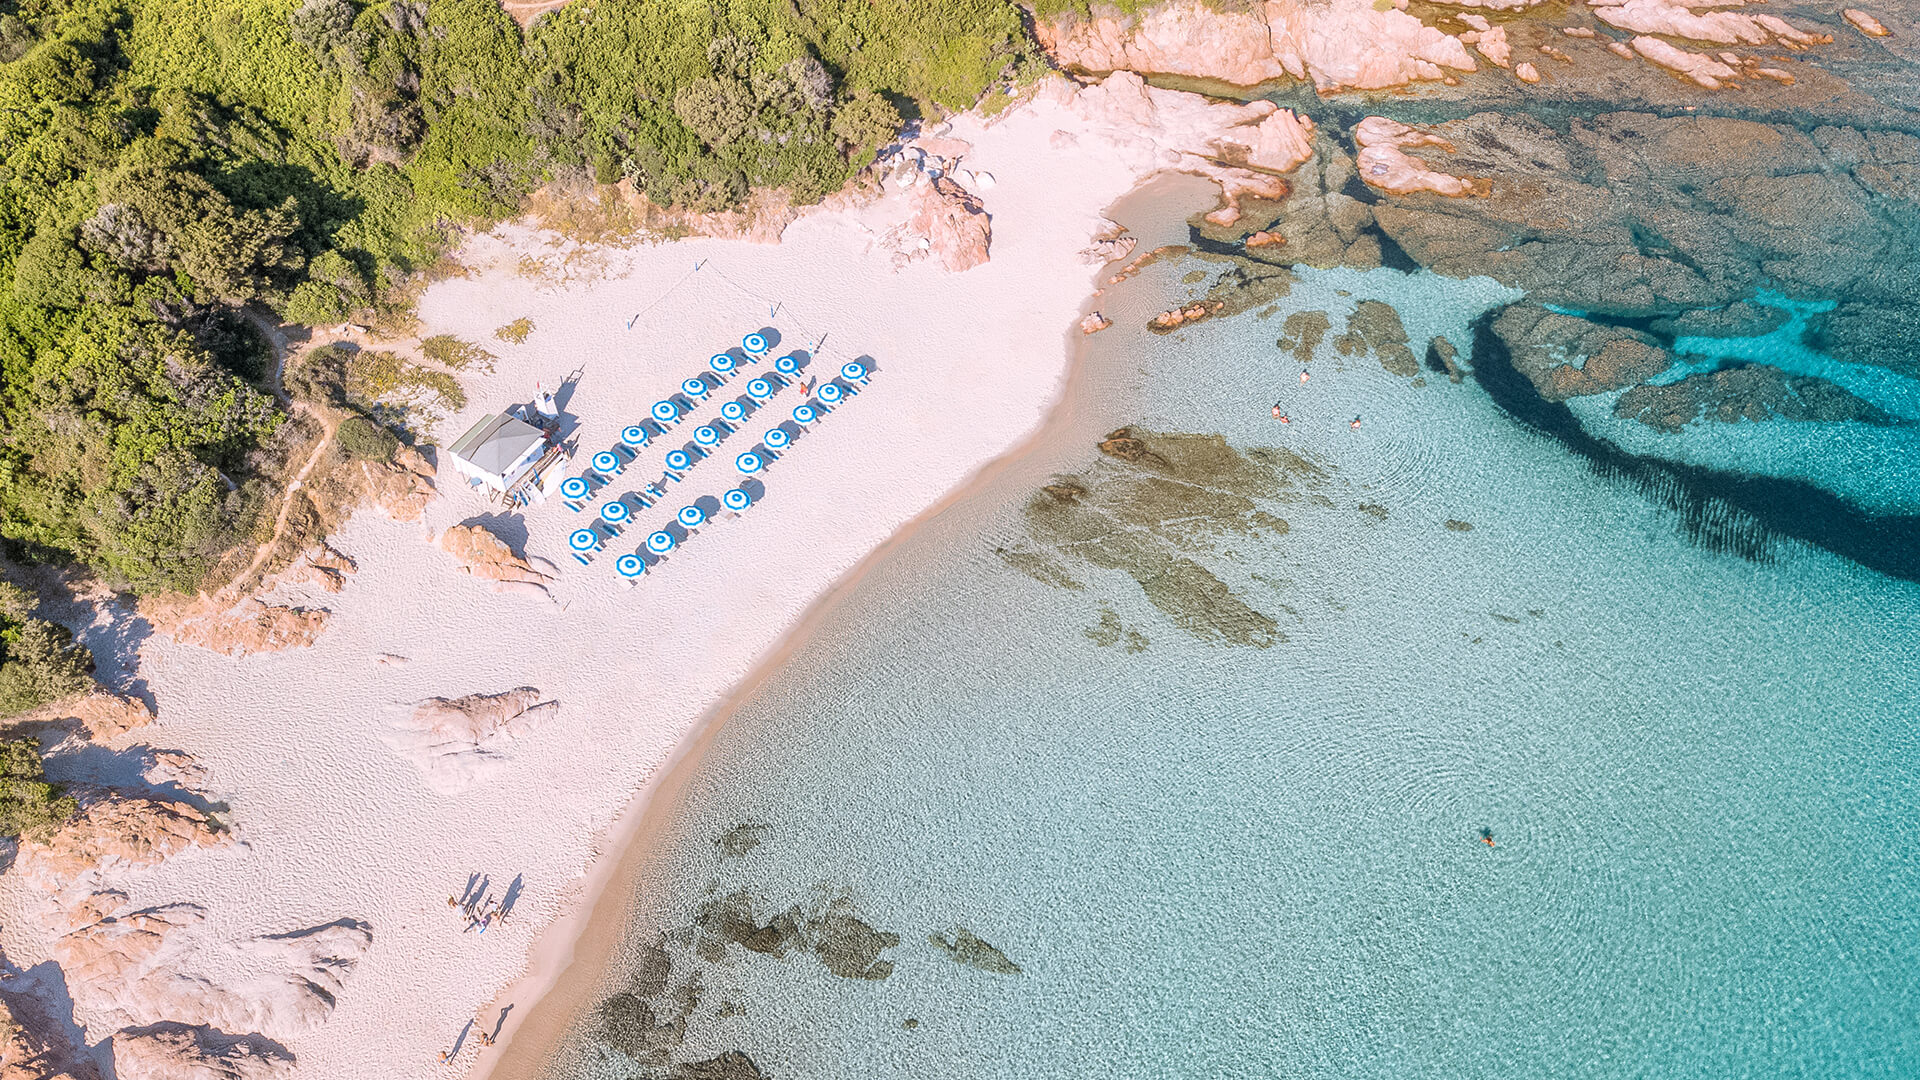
164	965
957	228
116	831
182	1052
455	742
485	556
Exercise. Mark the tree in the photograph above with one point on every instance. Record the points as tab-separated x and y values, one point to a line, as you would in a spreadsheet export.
30	808
325	27
39	660
865	122
717	110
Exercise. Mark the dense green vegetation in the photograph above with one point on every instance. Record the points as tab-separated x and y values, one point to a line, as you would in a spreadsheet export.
39	660
172	172
30	807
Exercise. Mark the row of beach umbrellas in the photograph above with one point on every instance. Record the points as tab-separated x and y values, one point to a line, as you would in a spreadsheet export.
607	464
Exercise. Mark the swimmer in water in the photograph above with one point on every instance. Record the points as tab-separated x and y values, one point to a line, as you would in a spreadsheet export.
1356	424
1277	414
1486	837
1303	378
1286	419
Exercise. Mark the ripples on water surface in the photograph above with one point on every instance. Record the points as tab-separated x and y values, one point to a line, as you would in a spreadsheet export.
1214	860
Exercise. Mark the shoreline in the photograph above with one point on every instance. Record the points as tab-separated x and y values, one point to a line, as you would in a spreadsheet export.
571	956
563	972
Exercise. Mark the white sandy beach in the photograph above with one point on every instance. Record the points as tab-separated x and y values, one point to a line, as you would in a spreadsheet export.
333	823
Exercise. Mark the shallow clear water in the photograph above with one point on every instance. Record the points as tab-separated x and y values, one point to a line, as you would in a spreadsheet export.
1211	860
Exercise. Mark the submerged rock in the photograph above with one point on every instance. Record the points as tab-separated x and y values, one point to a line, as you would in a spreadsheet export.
1738	319
831	928
1375	327
742	839
1749	392
1156	500
732	1065
963	947
1565	357
1303	332
847	946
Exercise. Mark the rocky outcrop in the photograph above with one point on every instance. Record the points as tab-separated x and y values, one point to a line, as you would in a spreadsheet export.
102	714
182	1052
321	567
956	227
1864	22
1568	357
1244	148
112	831
401	488
253	625
1338	44
1385	163
1703	70
1752	392
1635	214
455	742
963	946
34	1046
487	557
158	966
1691	19
1110	244
1375	328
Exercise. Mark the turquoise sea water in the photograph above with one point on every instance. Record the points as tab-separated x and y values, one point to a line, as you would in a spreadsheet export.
1208	860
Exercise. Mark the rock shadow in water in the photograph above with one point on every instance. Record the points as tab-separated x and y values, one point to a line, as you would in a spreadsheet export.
1732	513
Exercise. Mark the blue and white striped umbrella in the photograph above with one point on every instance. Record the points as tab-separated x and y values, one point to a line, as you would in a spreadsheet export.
777	438
786	365
666	411
583	540
760	389
694	388
754	343
805	414
830	393
853	371
679	460
574	487
733	411
705	435
721	363
631	566
691	516
660	543
634	435
606	461
748	462
737	499
615	512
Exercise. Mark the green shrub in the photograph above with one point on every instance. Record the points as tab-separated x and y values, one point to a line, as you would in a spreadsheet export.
39	660
450	351
30	808
362	439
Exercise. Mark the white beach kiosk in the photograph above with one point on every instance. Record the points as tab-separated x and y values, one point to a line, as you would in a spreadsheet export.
498	452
